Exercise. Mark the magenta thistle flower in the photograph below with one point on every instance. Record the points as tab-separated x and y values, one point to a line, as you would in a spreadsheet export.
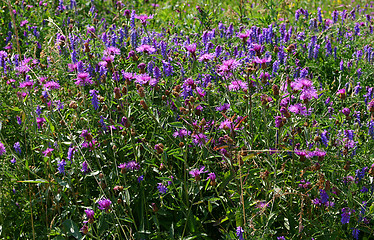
237	85
26	84
90	213
146	49
111	51
228	66
83	79
143	18
196	173
2	149
200	139
51	85
104	204
191	48
206	57
48	152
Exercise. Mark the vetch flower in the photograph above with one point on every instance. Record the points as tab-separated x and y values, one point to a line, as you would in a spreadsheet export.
346	215
61	166
239	233
84	169
17	147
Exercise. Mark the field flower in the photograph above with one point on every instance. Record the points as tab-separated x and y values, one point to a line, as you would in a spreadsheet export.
181	133
146	49
17	147
162	188
61	166
237	85
48	152
90	215
104	204
199	139
83	79
84	169
2	149
196	173
143	18
206	57
51	85
346	215
228	66
239	233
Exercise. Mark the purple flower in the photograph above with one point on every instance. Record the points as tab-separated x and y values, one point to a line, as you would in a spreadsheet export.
84	169
206	57
355	233
83	79
90	213
146	49
346	215
132	165
162	188
143	18
181	133
61	166
196	173
2	149
237	85
239	233
140	178
111	51
71	152
228	66
200	139
51	85
223	108
104	204
94	100
17	147
227	124
281	238
48	152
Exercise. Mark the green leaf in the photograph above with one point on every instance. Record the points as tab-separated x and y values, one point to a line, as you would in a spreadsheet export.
71	229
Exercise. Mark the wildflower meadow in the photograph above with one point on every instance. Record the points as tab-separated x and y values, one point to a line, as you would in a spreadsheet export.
197	119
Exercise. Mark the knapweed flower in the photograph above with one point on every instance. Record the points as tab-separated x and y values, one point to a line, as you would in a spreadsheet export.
51	85
262	61
227	124
181	133
26	84
143	18
191	48
83	79
239	233
111	51
104	204
132	165
228	66
206	57
200	139
48	152
224	107
90	215
84	229
281	238
162	188
212	177
341	94
237	85
196	173
2	149
146	49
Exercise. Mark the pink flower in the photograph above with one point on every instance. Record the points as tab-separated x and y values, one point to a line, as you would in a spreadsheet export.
146	49
83	79
143	18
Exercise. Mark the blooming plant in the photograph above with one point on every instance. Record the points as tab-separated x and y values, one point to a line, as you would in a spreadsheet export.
121	120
